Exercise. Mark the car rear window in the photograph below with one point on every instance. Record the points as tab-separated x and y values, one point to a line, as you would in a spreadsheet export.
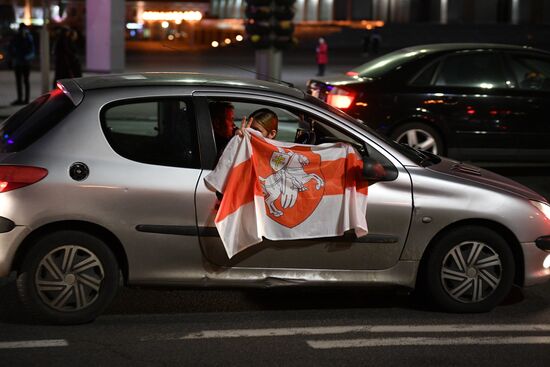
33	121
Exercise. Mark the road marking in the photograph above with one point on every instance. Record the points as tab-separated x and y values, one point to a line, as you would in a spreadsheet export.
387	342
254	333
34	344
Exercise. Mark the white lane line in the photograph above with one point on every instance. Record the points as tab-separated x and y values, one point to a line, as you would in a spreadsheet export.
48	343
387	342
251	333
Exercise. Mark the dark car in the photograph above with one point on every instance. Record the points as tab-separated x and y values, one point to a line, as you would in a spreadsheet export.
468	101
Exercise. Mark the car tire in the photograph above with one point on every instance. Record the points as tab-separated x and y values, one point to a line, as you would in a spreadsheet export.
420	136
68	277
469	269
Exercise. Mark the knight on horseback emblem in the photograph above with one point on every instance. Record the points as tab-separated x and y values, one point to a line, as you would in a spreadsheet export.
287	180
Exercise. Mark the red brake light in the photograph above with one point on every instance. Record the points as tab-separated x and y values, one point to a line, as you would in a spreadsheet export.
340	98
15	177
352	73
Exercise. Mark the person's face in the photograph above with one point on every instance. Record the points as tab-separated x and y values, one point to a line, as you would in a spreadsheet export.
224	126
266	134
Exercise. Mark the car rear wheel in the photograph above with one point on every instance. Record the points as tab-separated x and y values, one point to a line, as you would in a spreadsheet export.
68	277
419	136
470	269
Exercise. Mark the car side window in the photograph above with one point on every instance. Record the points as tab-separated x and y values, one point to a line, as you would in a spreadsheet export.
532	73
161	131
425	77
477	70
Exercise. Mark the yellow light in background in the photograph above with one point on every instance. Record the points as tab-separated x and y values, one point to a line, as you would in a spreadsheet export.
171	37
239	38
165	24
227	41
1	56
215	44
189	15
546	263
178	21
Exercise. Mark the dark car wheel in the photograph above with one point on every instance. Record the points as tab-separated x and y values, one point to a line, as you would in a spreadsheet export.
68	277
470	269
419	136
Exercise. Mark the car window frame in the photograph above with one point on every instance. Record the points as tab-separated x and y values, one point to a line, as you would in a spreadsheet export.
441	61
289	104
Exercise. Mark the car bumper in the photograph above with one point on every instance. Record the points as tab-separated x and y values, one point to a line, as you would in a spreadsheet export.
535	260
9	242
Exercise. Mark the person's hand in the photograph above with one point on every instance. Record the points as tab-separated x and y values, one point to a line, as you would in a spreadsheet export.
245	124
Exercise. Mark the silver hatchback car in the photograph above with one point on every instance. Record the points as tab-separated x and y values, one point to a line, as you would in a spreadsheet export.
102	183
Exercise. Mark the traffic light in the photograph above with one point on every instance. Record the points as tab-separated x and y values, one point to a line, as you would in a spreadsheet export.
269	23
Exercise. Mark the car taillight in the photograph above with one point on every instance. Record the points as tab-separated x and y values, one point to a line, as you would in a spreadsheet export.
352	73
340	98
15	177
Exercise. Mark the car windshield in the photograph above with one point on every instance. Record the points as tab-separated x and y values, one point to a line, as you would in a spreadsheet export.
381	65
421	158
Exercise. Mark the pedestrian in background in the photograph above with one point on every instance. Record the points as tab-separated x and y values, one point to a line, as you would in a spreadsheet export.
21	51
322	56
67	64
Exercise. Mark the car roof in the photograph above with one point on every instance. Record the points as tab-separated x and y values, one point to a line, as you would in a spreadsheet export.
76	88
435	47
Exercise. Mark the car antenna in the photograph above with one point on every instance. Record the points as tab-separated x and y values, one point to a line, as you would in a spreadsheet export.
269	78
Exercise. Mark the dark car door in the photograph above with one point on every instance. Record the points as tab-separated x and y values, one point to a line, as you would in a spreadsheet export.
473	96
530	104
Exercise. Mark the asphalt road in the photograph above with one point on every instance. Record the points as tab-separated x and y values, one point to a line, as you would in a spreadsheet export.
292	327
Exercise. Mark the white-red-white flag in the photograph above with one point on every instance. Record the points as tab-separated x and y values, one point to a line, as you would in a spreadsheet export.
284	191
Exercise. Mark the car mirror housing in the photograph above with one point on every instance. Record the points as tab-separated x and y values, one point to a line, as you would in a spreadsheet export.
373	170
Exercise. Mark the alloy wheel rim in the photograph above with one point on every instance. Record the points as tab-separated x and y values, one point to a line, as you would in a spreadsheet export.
471	272
419	139
69	278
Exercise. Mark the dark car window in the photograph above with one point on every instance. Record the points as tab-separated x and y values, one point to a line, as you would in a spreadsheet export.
478	70
531	72
425	77
161	132
33	121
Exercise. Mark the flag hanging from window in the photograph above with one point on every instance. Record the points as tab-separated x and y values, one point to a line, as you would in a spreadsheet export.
284	191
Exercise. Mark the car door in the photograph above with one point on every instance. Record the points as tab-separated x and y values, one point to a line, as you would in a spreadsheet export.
147	188
388	215
470	94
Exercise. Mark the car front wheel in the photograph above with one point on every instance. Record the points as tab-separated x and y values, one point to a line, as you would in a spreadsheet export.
68	277
419	136
470	269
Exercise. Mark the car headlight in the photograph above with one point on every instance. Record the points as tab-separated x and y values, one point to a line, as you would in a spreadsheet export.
543	207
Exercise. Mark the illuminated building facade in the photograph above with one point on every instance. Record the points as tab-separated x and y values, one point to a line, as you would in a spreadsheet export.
408	11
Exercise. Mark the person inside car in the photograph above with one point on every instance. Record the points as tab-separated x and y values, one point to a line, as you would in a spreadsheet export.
222	115
263	120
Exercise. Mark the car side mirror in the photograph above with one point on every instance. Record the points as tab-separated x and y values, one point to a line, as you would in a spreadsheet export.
373	170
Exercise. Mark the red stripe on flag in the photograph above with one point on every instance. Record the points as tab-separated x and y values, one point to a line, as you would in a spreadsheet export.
238	190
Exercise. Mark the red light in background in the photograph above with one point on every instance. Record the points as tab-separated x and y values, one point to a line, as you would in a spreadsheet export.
352	73
340	98
341	102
